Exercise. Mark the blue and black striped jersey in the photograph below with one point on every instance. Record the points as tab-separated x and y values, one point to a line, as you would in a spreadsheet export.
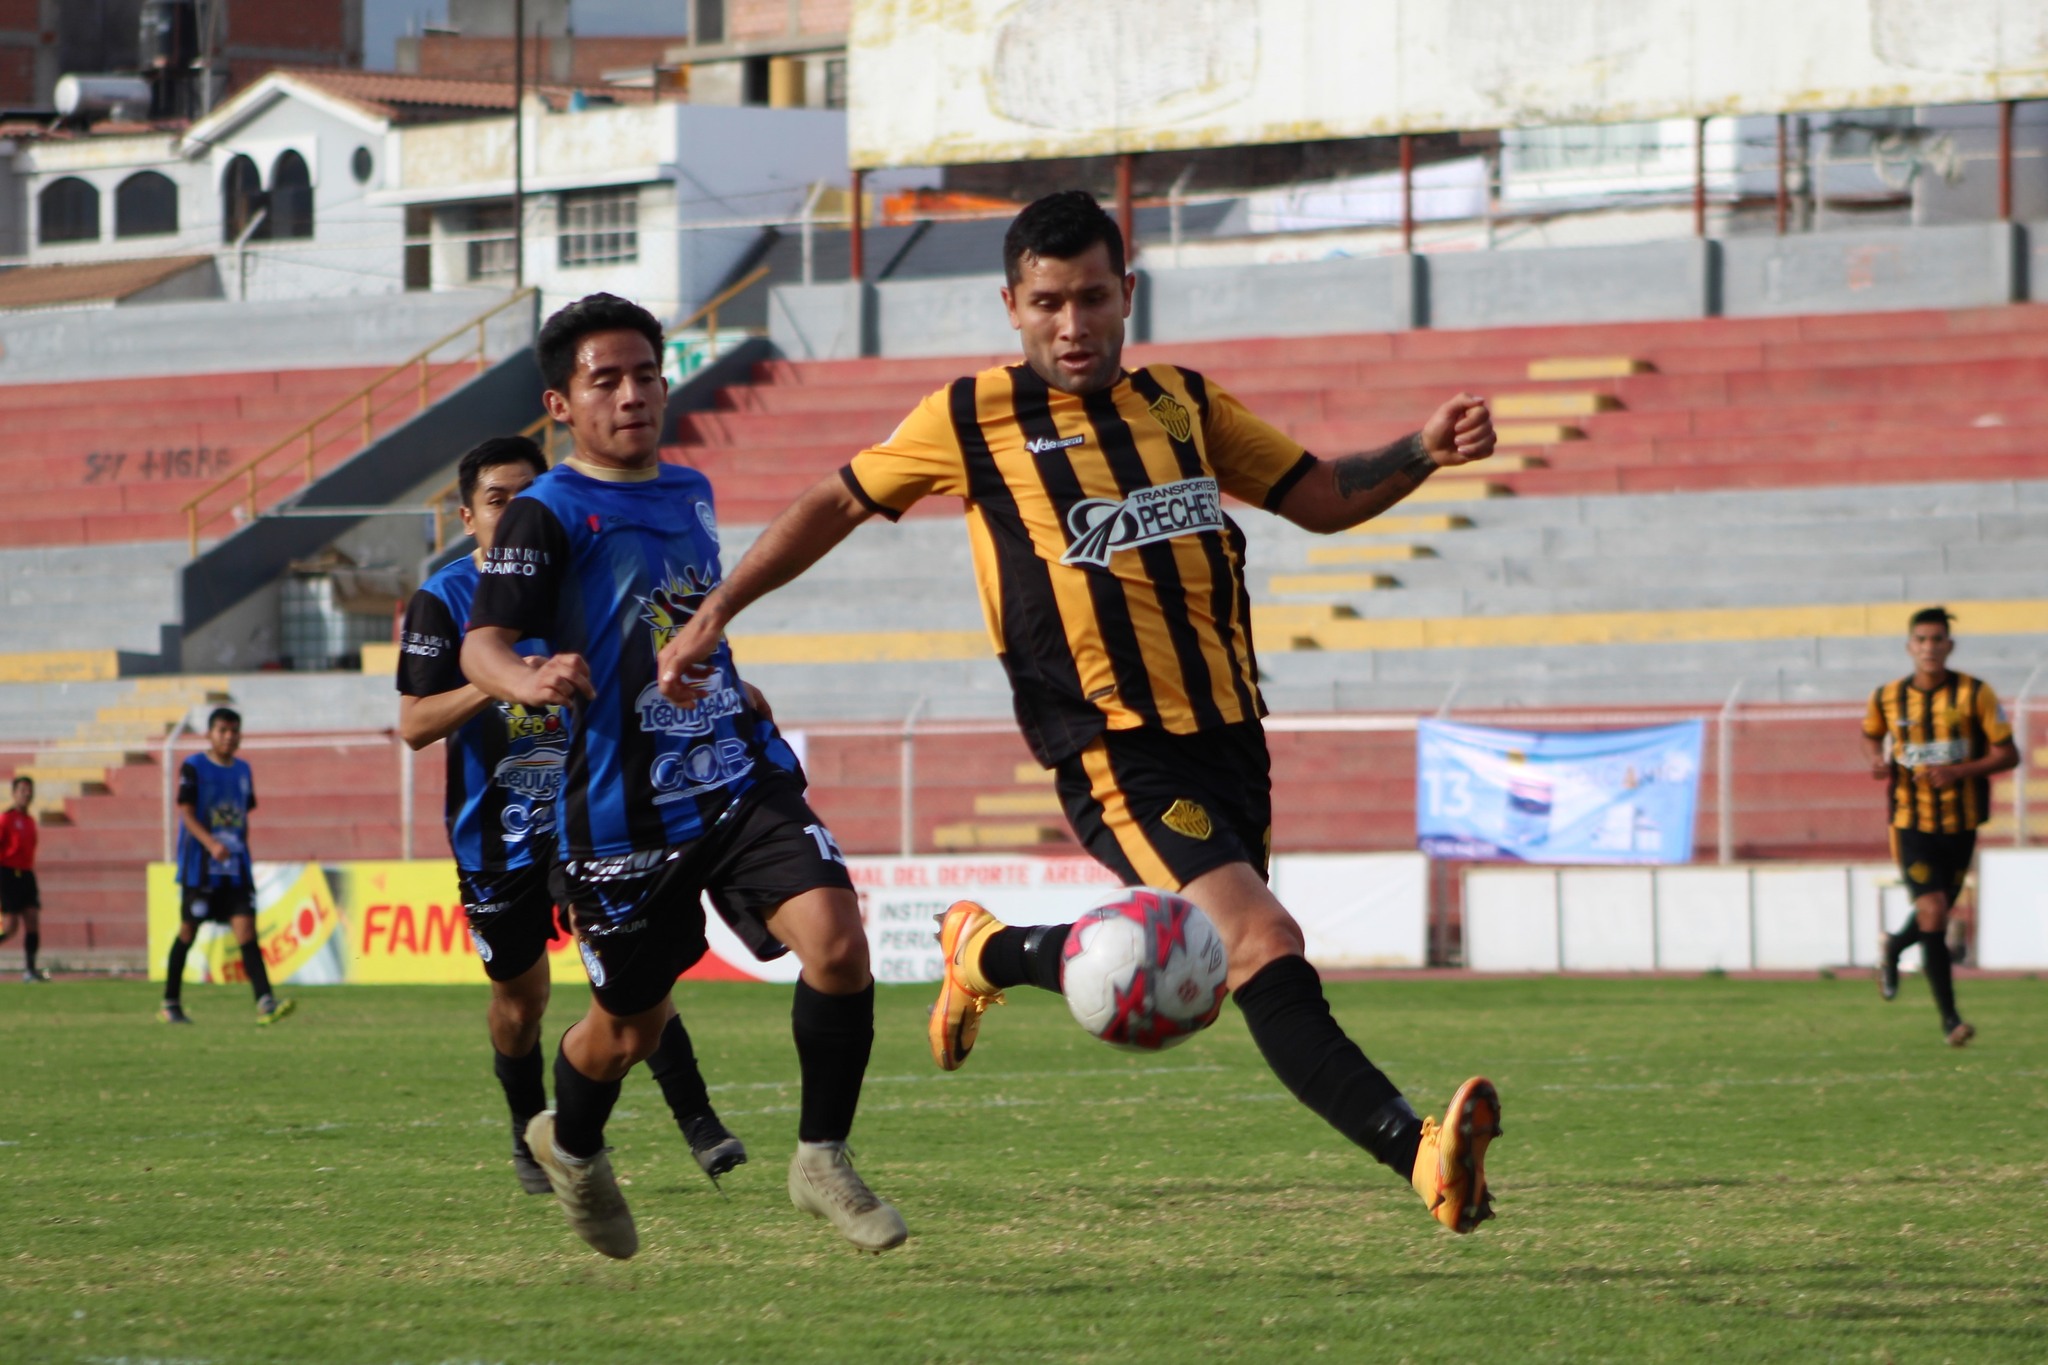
611	569
505	763
221	797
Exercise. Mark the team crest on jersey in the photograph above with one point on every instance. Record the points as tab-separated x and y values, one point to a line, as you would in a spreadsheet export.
675	602
1100	527
531	722
1184	817
1175	418
708	519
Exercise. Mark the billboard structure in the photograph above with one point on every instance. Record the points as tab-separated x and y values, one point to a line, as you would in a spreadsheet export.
945	82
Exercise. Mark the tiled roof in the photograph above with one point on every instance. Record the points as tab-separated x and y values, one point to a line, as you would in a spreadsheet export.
413	99
47	286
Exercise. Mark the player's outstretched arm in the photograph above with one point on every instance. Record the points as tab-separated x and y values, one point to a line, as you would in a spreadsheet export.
491	662
1873	756
805	532
1341	493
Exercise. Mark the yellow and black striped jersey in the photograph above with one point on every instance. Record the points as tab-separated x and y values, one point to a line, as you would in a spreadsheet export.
1955	723
1111	580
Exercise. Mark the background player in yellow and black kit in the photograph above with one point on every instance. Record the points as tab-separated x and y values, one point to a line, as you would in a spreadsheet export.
1114	589
1947	736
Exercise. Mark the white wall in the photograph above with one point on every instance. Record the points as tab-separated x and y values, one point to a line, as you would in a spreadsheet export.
1762	917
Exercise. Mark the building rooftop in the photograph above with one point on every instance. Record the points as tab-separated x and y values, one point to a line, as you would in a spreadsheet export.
50	286
425	99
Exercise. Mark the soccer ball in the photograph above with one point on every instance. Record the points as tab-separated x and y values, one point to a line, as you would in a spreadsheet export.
1145	971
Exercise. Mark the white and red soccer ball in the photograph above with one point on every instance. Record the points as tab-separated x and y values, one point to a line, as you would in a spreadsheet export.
1145	971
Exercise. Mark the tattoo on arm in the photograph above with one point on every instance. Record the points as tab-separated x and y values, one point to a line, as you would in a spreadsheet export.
1404	459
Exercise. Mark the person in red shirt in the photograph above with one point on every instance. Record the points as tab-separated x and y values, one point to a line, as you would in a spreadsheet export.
21	903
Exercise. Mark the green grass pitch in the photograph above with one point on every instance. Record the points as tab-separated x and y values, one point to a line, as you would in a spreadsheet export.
1693	1170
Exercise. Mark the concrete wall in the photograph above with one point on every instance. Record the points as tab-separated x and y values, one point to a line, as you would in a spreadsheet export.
1966	266
222	337
1872	270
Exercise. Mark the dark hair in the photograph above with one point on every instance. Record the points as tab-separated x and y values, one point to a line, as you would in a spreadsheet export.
1931	616
1061	226
224	713
24	780
492	453
555	347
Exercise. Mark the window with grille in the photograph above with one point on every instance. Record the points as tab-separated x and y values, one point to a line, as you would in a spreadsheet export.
493	253
601	227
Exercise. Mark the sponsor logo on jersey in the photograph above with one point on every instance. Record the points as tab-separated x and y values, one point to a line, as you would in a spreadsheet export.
1039	445
698	769
674	602
531	722
426	646
1100	527
1936	751
1184	817
538	772
1171	415
660	716
513	561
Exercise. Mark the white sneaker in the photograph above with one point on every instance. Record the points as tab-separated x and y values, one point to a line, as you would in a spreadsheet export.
587	1191
823	1183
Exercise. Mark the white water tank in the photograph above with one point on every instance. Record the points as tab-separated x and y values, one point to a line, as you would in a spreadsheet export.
86	96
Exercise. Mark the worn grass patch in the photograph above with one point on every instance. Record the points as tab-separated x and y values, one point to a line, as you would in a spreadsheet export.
1692	1170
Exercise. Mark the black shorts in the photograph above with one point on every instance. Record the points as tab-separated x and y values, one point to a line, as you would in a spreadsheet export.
639	919
511	917
1933	862
220	902
1160	809
18	890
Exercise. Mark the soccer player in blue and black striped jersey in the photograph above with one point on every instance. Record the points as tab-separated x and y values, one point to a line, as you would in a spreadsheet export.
216	880
504	774
605	557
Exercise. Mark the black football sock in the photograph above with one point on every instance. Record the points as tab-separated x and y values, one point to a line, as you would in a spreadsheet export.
581	1108
1291	1022
834	1035
30	943
1896	944
174	972
674	1066
253	968
1935	966
526	1094
1028	956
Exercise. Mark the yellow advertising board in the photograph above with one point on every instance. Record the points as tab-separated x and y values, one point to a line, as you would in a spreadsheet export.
320	924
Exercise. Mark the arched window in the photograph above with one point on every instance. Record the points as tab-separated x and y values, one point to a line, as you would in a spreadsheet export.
144	204
291	197
241	199
68	210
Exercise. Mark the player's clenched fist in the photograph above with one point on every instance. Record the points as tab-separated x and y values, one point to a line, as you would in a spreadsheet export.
1459	432
558	680
684	667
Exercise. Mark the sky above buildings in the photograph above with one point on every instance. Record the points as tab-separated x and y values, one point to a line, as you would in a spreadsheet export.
386	21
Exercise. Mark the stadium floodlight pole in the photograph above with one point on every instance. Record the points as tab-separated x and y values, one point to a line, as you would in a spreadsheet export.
1126	210
2024	771
1407	194
1724	778
856	261
1699	177
518	144
907	780
2005	112
1781	175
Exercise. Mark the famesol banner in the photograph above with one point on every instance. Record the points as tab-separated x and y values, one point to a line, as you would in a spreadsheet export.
381	923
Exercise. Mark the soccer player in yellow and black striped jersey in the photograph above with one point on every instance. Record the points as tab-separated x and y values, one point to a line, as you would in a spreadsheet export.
1113	584
1936	738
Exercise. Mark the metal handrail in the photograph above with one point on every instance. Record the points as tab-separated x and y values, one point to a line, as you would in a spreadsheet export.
708	312
246	472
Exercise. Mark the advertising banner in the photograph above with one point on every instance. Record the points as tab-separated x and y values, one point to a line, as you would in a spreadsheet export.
1609	796
387	923
943	82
